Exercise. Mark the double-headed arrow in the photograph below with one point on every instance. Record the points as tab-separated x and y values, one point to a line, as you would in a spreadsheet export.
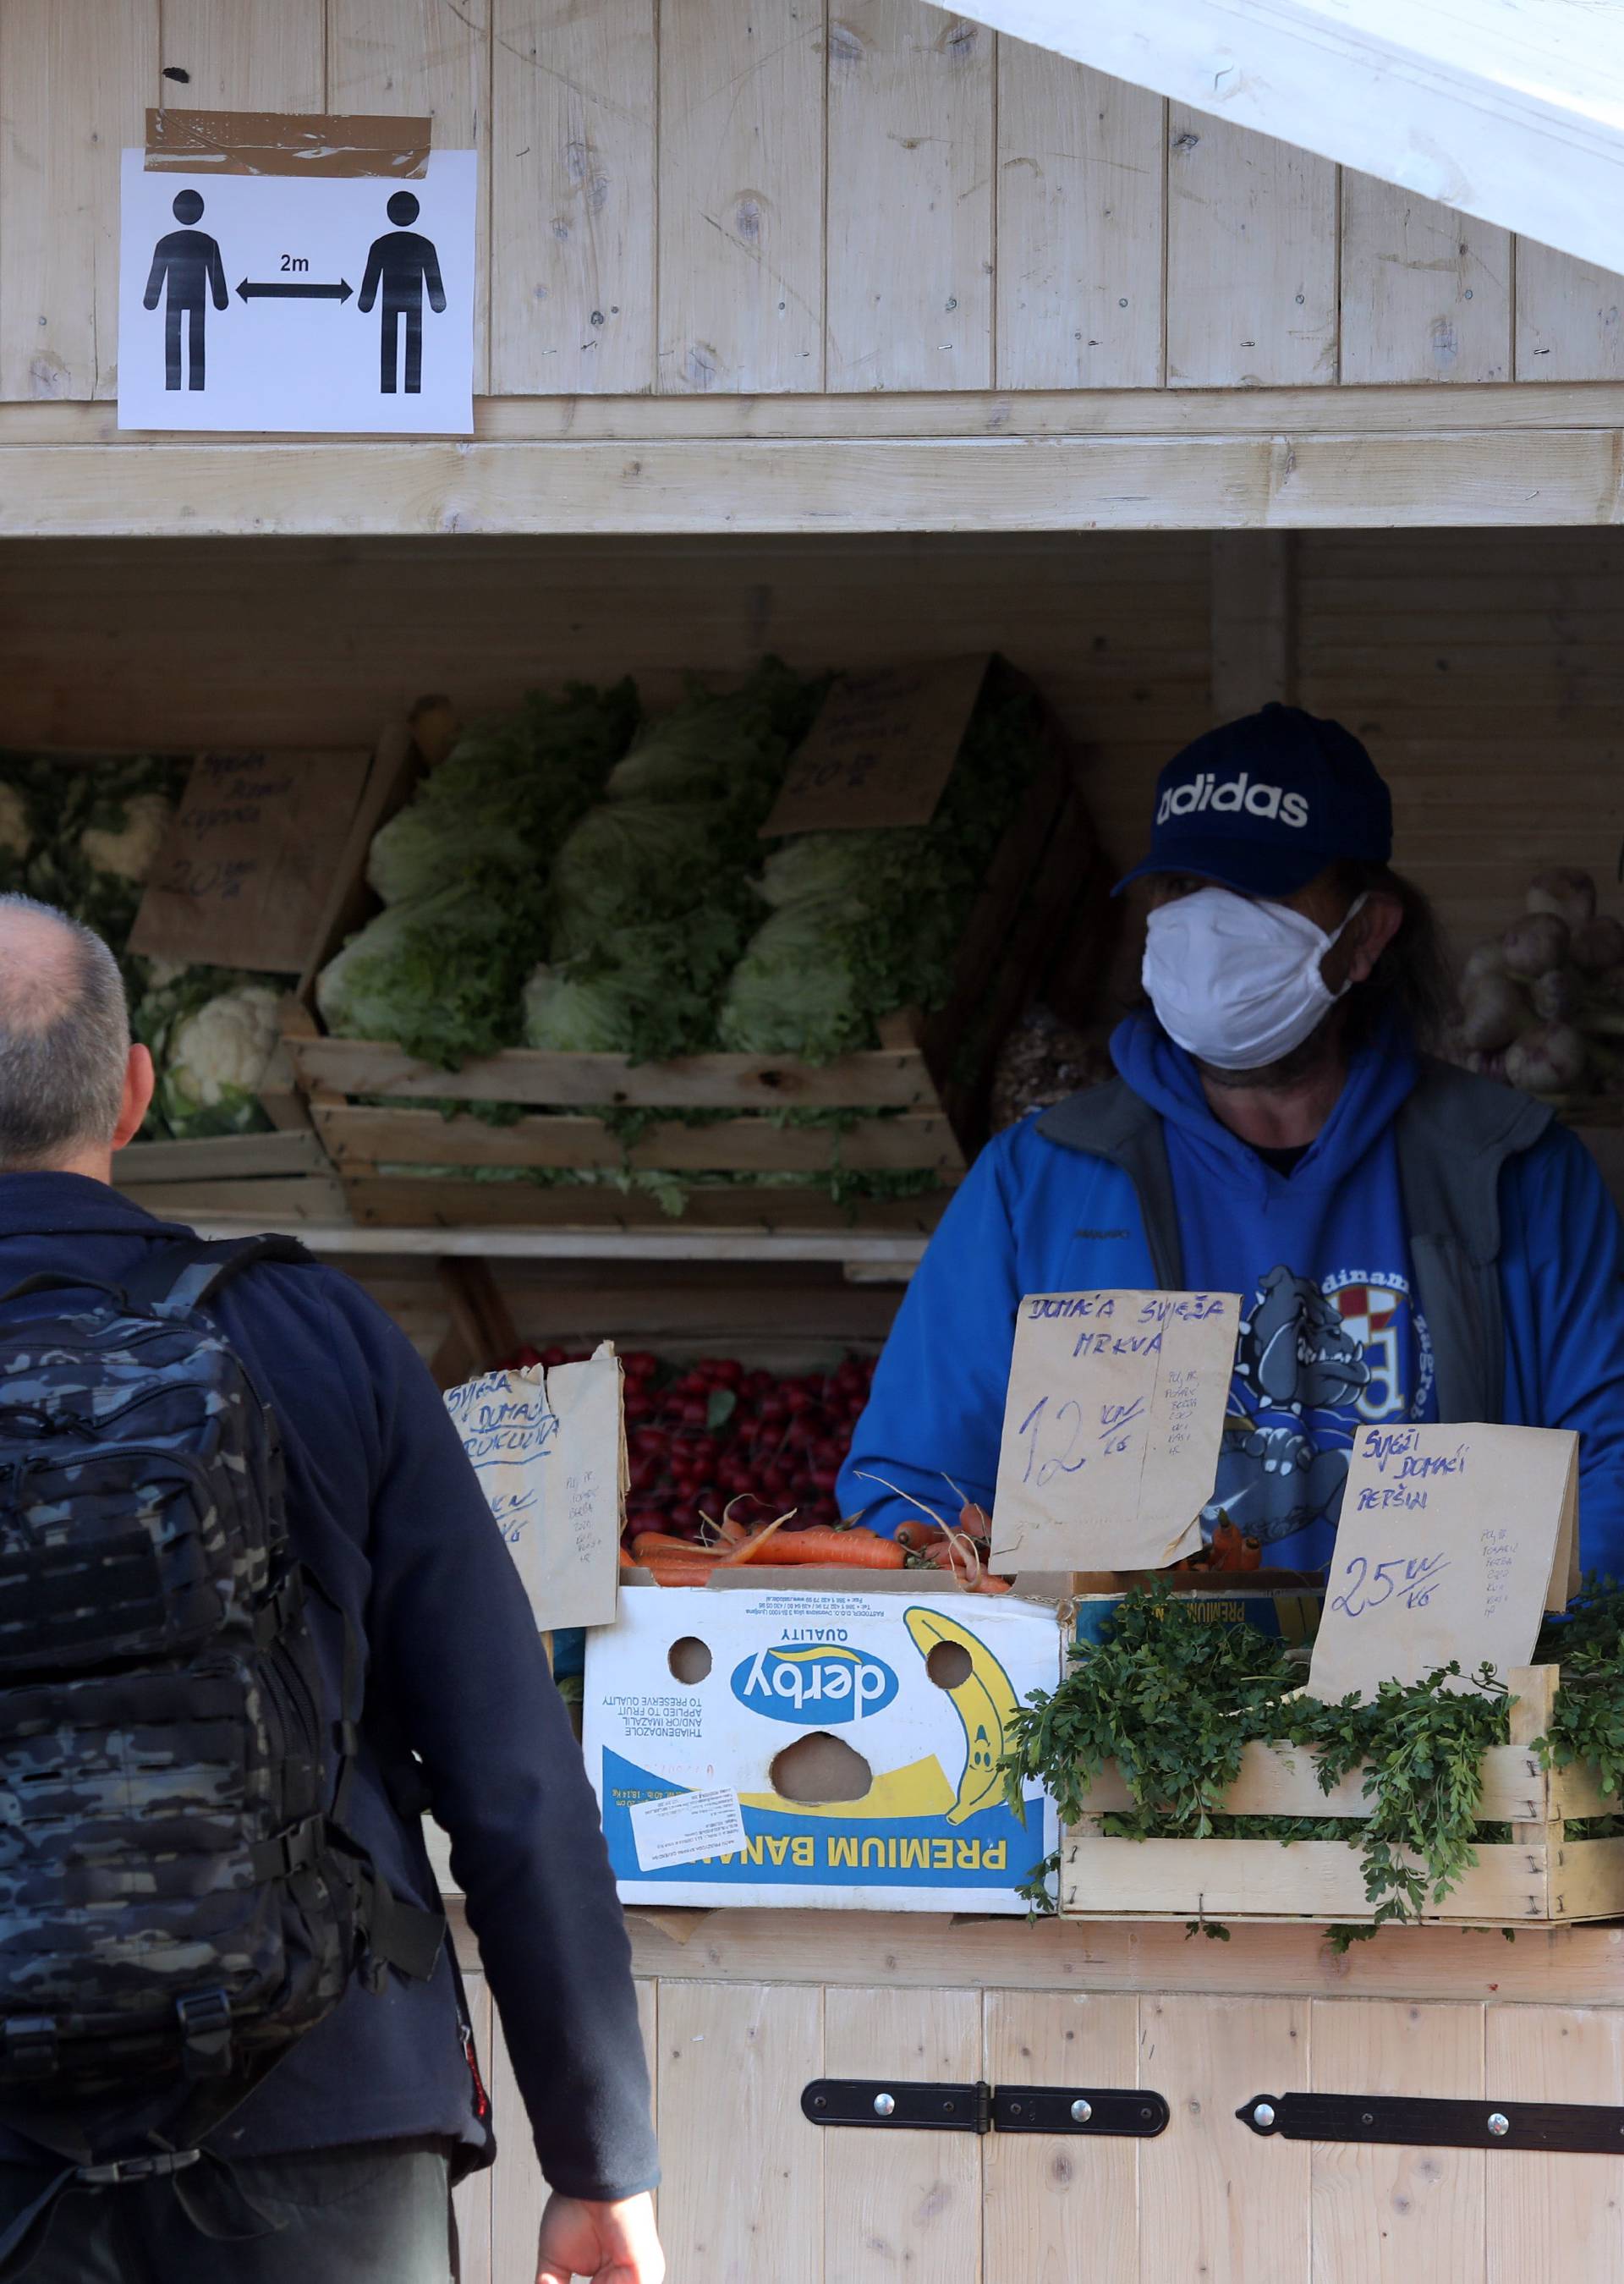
290	290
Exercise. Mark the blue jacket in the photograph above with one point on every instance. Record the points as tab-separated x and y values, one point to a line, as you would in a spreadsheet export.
384	1506
1035	1216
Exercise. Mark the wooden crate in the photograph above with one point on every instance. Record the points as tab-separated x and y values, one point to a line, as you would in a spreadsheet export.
272	1181
1539	1875
931	1074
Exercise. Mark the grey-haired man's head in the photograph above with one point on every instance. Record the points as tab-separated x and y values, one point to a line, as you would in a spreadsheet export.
66	1066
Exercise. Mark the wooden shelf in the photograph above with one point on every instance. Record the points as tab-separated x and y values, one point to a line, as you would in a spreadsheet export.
877	1257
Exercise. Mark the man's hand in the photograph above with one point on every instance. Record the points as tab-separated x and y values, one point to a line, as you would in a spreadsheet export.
612	2244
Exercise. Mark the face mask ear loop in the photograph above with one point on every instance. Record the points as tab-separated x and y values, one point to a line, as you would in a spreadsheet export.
1332	942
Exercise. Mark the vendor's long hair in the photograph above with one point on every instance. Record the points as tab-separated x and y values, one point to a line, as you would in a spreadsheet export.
1413	979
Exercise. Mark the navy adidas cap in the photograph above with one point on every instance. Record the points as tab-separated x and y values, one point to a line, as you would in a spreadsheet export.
1263	804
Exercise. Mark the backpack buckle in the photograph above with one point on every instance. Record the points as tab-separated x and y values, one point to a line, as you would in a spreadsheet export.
206	2033
157	2167
31	2045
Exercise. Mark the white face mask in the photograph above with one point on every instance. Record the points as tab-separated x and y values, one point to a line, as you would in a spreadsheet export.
1235	983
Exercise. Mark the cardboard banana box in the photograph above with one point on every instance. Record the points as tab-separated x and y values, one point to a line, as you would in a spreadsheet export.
827	1747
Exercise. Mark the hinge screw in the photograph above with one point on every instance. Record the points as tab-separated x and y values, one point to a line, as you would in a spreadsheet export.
1264	2114
1081	2111
1498	2122
884	2104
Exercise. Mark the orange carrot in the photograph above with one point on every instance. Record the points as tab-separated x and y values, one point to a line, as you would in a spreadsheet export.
748	1549
665	1542
862	1549
1251	1555
919	1538
975	1521
665	1570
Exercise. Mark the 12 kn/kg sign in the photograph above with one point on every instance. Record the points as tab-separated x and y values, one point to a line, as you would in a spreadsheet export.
315	304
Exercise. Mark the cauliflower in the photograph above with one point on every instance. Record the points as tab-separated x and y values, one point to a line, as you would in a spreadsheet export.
16	827
129	850
214	1061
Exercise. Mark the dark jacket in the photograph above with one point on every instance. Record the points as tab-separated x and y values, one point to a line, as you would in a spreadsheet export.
385	1508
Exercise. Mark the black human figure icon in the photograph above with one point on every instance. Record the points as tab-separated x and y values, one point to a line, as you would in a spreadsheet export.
404	263
190	260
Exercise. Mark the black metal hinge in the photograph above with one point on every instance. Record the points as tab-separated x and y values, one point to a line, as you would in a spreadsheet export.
1577	2127
944	2107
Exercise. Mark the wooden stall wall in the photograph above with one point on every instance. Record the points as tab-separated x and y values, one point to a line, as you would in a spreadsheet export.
688	197
1483	668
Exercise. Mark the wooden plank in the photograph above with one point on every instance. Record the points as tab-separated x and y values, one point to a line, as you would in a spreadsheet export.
1568	1965
219	1157
910	199
243	55
874	1078
1255	619
1275	1780
741	195
1513	113
417	57
270	1201
1081	192
572	198
403	1203
1216	2203
1263	1878
732	2062
518	2192
1554	2216
75	78
1210	482
1046	2196
1427	292
1570	318
902	2204
1252	259
1381	2215
472	2202
972	413
741	1145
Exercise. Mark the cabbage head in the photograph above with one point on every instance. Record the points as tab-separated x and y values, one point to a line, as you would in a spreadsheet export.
632	861
727	747
506	793
799	988
650	997
441	976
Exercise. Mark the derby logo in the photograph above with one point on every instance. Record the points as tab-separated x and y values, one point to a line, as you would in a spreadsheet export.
826	1684
1230	798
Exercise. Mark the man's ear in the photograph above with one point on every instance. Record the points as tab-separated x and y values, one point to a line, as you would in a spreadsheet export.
1365	938
139	1080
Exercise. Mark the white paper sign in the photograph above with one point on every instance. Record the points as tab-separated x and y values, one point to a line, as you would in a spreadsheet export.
548	1448
312	303
1453	1541
1111	1428
685	1827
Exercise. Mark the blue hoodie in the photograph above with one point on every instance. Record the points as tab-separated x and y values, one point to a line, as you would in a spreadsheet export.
1330	1338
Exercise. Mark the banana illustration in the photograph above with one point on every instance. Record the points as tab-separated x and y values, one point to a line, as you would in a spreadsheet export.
984	1700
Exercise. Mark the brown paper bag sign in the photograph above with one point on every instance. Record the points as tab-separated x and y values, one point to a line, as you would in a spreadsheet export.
882	750
1453	1543
1110	1429
550	1450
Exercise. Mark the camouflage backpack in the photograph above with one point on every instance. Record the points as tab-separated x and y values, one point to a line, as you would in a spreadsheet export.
178	1900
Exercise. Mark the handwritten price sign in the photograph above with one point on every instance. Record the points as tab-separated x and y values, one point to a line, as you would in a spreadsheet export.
548	1450
1110	1429
882	749
1453	1541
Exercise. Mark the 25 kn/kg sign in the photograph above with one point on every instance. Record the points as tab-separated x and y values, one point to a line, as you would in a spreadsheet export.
315	304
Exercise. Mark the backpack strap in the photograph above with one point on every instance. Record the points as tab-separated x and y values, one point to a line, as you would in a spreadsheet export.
189	1272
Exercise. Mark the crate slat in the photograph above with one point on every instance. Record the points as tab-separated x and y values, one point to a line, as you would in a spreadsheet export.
218	1157
401	1201
270	1202
876	1079
1278	1780
357	1135
1310	1879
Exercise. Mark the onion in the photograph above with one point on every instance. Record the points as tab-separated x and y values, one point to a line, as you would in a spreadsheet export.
1532	946
1598	946
1493	1012
1566	891
1548	1060
1557	996
1487	959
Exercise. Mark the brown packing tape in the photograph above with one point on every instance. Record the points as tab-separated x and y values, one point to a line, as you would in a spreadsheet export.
285	143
